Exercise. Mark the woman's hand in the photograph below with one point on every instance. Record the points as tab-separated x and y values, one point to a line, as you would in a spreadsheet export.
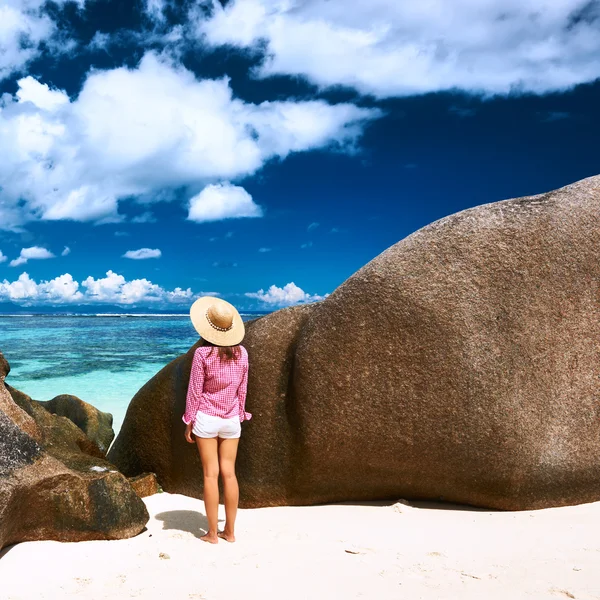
188	433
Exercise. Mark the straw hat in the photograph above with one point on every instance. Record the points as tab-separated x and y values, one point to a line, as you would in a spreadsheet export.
217	321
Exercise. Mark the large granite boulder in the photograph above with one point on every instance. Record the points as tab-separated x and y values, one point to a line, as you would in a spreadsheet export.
462	364
54	483
267	445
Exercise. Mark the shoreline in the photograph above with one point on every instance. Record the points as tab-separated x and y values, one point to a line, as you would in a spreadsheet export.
368	550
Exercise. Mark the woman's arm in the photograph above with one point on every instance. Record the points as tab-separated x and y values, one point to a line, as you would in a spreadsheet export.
195	388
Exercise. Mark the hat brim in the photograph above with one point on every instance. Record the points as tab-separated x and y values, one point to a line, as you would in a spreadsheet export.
232	337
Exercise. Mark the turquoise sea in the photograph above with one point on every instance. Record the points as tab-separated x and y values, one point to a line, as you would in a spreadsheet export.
102	359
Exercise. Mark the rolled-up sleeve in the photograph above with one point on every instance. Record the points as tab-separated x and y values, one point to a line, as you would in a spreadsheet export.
195	388
241	393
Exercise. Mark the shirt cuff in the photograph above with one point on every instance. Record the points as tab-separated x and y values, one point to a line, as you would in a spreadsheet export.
188	421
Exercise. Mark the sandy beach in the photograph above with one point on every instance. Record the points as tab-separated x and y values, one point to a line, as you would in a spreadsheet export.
375	550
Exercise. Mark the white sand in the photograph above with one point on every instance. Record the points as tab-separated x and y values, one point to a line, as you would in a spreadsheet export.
418	551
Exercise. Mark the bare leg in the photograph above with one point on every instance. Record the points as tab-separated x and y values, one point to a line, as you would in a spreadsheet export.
207	447
227	454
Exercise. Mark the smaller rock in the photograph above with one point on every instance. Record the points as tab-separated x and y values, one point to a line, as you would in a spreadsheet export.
97	425
4	366
164	556
145	484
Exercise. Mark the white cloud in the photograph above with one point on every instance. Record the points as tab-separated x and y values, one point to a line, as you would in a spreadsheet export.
264	249
138	133
312	226
143	253
40	95
3	257
222	201
155	9
66	251
24	26
34	252
391	48
306	245
62	289
22	288
288	295
113	288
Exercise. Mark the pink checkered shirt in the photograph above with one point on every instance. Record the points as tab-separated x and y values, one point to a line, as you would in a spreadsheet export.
217	387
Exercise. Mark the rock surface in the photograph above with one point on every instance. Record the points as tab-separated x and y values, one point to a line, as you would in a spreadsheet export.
461	364
54	484
267	442
4	366
145	485
96	425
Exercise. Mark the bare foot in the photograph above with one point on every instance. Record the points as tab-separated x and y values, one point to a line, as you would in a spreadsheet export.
211	538
226	536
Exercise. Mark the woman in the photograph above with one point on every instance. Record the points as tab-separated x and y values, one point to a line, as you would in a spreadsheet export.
215	406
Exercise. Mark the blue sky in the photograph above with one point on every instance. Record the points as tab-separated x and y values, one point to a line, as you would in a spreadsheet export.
155	151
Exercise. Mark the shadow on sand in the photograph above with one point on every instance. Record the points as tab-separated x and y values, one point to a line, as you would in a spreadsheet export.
6	550
190	521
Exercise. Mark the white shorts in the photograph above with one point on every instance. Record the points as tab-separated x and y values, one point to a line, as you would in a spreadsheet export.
209	426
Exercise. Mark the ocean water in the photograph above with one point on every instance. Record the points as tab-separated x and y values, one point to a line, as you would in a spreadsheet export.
102	359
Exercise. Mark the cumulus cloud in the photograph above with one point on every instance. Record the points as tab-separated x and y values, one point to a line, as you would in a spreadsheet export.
288	295
222	201
3	257
137	133
40	95
66	251
143	253
25	26
34	252
62	289
113	289
390	48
